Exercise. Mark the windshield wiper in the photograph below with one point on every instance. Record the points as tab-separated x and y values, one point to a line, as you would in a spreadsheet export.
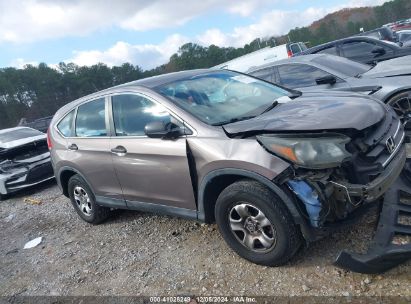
272	106
232	120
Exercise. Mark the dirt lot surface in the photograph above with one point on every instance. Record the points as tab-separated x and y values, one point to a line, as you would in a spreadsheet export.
143	254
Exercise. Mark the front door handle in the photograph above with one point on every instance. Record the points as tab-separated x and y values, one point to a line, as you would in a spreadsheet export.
119	150
72	147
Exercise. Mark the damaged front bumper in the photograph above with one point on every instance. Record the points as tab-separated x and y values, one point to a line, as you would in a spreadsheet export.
391	190
375	189
29	172
391	244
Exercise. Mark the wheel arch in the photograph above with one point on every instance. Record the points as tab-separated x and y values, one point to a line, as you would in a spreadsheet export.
64	176
216	181
396	92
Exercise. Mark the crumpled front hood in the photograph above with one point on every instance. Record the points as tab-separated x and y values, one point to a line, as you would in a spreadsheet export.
316	111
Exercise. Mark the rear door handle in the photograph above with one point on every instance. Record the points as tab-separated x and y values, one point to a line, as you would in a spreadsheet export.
72	147
119	150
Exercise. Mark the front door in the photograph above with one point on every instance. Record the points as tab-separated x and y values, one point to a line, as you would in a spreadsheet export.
150	170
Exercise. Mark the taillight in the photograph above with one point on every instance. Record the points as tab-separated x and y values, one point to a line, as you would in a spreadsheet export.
290	54
49	143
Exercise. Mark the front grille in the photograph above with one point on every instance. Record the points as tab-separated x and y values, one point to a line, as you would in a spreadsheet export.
380	145
388	146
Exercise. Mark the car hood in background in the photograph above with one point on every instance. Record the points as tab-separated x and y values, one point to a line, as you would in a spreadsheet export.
22	141
315	111
393	67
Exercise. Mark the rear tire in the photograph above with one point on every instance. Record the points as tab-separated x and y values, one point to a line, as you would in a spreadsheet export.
84	202
256	224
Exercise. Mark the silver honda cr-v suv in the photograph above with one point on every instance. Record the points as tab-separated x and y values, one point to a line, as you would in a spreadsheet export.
272	167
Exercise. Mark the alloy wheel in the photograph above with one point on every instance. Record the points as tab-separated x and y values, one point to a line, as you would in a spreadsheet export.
402	106
82	200
252	228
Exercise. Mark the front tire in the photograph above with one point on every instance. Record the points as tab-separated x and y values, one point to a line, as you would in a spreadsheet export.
84	202
256	224
401	103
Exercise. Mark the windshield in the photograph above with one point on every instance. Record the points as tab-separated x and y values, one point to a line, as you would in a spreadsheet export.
342	65
221	97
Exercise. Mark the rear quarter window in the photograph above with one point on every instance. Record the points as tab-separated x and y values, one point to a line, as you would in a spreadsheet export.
65	126
265	74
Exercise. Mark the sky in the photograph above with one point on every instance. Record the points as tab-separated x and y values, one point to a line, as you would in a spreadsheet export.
144	32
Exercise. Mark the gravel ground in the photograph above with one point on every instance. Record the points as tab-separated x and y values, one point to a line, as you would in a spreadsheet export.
142	254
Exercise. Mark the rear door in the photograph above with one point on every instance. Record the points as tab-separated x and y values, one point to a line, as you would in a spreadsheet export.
150	170
88	149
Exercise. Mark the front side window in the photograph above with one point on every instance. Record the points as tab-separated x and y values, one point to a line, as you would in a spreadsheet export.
342	65
90	120
221	97
357	48
65	125
299	75
332	50
131	113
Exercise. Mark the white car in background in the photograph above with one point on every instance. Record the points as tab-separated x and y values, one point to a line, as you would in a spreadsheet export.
263	56
24	159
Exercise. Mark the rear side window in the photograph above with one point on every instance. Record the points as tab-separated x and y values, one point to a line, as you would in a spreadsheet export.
132	112
90	120
265	74
65	125
299	75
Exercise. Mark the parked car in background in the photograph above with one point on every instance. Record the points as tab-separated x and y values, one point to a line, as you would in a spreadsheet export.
389	81
24	159
400	25
265	55
361	49
404	38
40	124
382	33
273	167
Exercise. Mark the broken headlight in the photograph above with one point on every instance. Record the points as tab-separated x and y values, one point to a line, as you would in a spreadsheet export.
315	151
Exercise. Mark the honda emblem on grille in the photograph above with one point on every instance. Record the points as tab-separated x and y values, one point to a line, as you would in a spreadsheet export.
390	144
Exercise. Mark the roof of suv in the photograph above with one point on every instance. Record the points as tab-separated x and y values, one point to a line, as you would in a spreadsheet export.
152	82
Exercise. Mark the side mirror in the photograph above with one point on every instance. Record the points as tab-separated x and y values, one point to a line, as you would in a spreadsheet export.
329	79
158	129
378	51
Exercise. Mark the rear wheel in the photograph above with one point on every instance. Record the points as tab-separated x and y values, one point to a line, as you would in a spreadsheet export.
83	201
256	224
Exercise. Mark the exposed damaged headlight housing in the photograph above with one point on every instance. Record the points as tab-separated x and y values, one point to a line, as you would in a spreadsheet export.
315	151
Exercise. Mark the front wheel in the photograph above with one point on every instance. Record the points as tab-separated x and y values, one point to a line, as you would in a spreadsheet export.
256	224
